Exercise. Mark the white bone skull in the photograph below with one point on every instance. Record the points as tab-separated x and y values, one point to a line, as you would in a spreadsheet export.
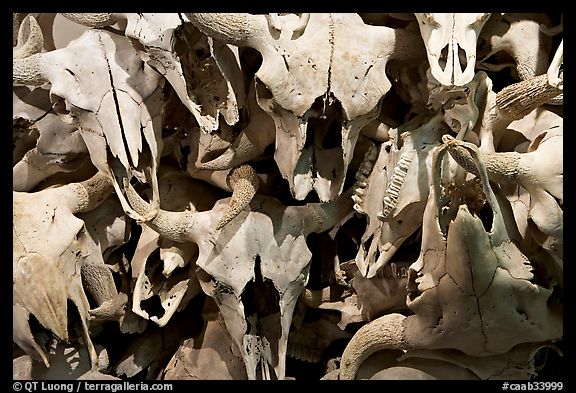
451	40
319	86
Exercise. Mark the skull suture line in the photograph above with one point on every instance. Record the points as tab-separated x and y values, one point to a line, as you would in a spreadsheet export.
318	84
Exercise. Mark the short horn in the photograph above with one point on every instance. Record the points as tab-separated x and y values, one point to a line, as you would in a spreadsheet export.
96	20
28	71
30	38
89	194
175	226
519	99
235	29
244	182
386	332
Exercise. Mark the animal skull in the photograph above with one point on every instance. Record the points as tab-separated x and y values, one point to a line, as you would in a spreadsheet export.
318	85
471	289
48	260
451	40
254	267
127	144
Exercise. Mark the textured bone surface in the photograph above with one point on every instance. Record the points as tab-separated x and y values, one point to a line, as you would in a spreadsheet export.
298	196
451	33
315	78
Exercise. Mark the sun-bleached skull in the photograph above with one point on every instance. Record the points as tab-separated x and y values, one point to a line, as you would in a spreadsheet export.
204	73
48	262
254	264
393	185
471	289
100	84
508	33
165	269
451	40
480	267
318	84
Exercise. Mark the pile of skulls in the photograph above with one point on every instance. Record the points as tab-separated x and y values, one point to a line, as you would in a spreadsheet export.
287	196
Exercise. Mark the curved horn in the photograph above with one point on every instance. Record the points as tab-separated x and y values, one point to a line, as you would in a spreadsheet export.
554	72
30	38
92	19
386	332
17	19
28	71
235	29
243	181
172	225
519	99
91	193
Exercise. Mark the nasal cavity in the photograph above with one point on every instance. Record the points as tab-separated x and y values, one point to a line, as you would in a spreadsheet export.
443	60
462	58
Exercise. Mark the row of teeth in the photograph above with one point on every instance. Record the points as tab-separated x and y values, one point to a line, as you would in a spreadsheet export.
305	354
362	178
391	270
393	192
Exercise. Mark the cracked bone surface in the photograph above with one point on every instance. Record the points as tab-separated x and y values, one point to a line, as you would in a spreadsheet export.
254	267
48	259
288	196
451	40
482	271
318	85
97	74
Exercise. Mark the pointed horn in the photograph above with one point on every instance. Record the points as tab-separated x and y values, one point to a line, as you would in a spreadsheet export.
501	167
17	19
323	216
172	225
386	332
90	193
28	71
30	38
244	182
519	99
96	20
235	29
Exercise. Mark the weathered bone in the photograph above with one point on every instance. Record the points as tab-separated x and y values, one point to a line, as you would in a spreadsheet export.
454	32
133	92
398	204
47	260
252	141
554	74
30	39
501	273
35	167
258	254
519	99
98	20
509	32
326	91
243	181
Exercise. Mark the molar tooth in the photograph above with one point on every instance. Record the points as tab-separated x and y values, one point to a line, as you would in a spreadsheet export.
393	192
356	198
365	170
